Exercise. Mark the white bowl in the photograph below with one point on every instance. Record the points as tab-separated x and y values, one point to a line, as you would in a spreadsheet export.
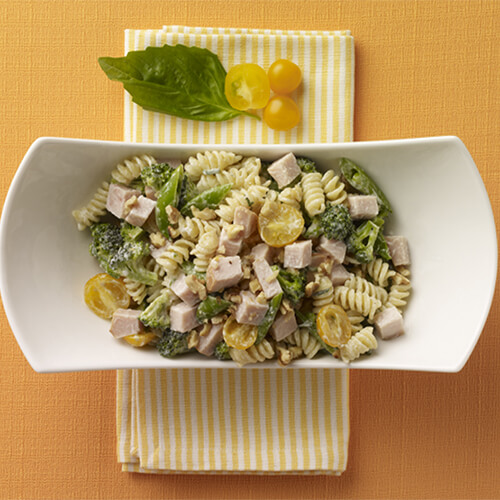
439	202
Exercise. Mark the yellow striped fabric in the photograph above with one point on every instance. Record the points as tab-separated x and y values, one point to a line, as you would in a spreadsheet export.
267	421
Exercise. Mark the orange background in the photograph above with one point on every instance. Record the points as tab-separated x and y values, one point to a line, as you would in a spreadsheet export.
423	68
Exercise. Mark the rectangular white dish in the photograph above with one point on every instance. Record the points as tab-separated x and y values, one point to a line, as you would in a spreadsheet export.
439	202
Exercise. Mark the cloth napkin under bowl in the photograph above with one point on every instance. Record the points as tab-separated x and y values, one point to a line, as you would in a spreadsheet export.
272	421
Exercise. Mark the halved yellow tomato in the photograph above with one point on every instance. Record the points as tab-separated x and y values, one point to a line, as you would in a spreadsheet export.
247	87
238	335
333	325
140	339
104	295
279	224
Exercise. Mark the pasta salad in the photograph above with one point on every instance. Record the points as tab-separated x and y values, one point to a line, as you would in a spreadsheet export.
246	260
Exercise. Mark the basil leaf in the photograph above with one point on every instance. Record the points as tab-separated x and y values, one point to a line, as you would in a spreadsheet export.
187	82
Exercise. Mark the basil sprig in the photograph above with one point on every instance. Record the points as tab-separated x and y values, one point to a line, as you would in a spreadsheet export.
187	82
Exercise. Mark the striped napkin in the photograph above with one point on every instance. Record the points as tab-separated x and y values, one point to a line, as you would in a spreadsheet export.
271	421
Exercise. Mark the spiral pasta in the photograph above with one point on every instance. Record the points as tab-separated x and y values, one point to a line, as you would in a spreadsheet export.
205	250
364	286
379	271
192	228
210	160
313	195
356	319
130	169
357	301
174	255
334	189
324	294
399	292
94	210
244	174
291	196
249	198
139	291
255	354
303	339
360	343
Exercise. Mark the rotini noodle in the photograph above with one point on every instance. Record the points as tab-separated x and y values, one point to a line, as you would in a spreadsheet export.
205	250
313	195
210	160
379	271
307	343
291	196
399	292
358	344
130	169
334	189
174	255
244	174
324	294
364	286
357	301
94	210
255	354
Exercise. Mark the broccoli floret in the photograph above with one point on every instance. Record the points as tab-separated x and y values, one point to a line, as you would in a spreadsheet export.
120	251
314	229
336	222
221	351
306	165
361	243
156	175
293	283
173	344
156	314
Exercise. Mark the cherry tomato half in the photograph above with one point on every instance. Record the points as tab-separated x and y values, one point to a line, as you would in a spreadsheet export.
140	339
239	336
279	224
284	76
281	113
247	87
104	295
333	325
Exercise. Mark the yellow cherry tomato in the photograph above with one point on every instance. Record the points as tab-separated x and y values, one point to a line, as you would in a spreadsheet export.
140	339
279	224
238	335
247	87
281	113
104	295
284	76
333	325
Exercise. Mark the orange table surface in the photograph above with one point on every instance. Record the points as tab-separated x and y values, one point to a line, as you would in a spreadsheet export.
423	68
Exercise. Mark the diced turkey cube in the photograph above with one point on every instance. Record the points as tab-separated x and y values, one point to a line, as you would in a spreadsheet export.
140	211
339	275
362	206
250	311
181	289
389	323
298	255
207	343
334	248
267	278
223	272
246	218
231	239
399	250
125	322
118	195
263	251
183	317
284	170
284	325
